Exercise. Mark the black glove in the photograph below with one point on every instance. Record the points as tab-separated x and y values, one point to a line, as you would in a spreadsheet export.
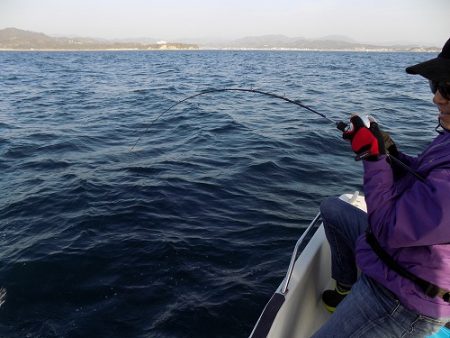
389	144
367	143
391	149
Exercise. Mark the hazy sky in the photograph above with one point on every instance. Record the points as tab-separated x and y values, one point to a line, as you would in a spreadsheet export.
415	21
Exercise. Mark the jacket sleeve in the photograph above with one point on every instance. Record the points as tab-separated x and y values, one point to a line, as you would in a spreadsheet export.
409	160
418	216
398	170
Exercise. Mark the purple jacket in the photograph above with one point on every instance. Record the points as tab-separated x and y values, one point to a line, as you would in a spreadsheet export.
411	220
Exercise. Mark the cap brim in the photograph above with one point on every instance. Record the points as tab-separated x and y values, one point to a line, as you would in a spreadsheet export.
437	69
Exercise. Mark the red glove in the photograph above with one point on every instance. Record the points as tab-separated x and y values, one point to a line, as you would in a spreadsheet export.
367	142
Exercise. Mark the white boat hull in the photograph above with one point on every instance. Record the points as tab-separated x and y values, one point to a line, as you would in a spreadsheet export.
302	312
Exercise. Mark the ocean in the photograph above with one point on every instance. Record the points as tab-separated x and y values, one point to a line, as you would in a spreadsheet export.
188	233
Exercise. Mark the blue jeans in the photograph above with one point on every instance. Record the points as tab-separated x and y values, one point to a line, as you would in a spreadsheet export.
370	310
343	224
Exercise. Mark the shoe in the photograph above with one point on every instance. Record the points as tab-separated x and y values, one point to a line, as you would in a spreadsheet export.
332	298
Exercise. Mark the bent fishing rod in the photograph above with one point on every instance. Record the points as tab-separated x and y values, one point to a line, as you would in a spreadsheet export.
248	90
338	124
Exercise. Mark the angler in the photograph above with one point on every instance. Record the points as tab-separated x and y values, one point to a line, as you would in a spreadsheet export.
402	245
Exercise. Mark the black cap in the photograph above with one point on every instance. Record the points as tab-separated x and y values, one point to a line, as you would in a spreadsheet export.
437	69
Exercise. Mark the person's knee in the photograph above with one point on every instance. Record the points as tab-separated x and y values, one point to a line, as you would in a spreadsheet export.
330	208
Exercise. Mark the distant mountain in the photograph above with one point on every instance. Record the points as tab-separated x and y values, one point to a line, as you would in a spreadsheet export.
337	38
333	42
17	39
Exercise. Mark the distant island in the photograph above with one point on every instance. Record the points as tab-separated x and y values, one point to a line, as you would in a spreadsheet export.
17	39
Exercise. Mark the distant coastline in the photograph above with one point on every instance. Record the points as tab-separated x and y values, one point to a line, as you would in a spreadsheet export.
206	49
13	39
96	50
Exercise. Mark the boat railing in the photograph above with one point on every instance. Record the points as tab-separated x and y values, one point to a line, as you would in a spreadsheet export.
299	243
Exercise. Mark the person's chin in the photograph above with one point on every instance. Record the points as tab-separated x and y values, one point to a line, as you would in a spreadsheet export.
444	121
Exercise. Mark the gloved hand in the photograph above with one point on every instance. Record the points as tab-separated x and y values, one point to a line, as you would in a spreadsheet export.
391	149
367	142
389	144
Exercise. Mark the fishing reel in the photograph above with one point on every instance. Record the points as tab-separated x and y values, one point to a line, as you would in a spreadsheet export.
348	127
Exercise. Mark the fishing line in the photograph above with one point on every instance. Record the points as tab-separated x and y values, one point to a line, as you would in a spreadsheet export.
339	124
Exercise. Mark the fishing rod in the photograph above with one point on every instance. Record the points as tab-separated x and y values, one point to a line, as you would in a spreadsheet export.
249	90
339	124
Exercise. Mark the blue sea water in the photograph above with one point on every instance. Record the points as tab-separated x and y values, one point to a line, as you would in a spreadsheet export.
190	232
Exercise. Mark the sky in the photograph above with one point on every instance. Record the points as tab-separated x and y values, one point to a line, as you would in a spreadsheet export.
425	22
